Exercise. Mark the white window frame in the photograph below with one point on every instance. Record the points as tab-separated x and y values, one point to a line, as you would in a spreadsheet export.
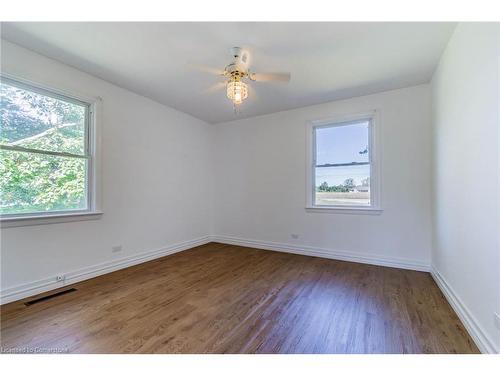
92	155
375	207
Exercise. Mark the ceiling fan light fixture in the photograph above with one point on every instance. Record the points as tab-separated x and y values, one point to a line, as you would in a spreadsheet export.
235	72
237	90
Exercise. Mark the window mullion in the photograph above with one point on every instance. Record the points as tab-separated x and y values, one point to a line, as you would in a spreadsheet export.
43	152
351	164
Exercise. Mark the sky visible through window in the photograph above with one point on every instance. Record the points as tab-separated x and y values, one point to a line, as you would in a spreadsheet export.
342	144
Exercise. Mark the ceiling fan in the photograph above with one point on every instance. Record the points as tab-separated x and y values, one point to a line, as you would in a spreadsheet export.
237	72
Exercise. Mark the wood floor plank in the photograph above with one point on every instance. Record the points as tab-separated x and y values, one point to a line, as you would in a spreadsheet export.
228	299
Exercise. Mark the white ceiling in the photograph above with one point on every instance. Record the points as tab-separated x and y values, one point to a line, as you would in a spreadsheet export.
328	61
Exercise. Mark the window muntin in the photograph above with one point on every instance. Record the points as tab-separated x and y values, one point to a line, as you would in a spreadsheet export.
45	157
342	164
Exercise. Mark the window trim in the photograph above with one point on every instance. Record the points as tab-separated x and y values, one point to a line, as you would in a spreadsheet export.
91	154
373	134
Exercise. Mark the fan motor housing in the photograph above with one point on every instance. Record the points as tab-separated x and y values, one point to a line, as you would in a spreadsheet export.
236	71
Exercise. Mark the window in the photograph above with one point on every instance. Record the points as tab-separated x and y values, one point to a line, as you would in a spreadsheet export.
343	173
46	151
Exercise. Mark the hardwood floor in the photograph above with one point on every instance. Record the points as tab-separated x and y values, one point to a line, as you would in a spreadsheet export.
228	299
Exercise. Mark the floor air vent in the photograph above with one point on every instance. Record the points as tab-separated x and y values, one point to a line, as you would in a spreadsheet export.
50	296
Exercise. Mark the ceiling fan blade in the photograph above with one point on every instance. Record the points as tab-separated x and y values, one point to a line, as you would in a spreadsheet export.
269	77
218	86
252	94
206	69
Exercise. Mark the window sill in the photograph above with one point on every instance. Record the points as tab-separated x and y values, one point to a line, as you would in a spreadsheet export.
345	210
21	221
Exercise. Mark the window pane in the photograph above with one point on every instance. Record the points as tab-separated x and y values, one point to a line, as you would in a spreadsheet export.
337	186
342	171
342	144
33	120
31	183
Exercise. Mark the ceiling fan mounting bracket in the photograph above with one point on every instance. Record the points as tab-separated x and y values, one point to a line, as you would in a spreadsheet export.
239	55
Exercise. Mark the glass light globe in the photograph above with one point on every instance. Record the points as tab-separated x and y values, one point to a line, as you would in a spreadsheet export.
237	91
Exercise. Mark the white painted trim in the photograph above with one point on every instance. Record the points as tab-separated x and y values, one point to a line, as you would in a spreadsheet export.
348	256
71	94
479	335
345	210
53	218
29	289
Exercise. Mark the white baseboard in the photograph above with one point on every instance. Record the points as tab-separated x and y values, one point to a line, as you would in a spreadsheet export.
326	253
26	290
480	337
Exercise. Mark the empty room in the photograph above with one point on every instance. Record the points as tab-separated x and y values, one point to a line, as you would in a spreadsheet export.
250	187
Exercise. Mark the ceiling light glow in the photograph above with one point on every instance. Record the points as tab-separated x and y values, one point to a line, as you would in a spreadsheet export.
237	91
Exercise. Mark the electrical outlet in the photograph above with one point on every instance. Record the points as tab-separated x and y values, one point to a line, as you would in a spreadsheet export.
294	236
60	277
116	249
496	316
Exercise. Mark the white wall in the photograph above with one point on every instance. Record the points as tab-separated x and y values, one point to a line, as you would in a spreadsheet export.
466	174
260	182
169	178
156	179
